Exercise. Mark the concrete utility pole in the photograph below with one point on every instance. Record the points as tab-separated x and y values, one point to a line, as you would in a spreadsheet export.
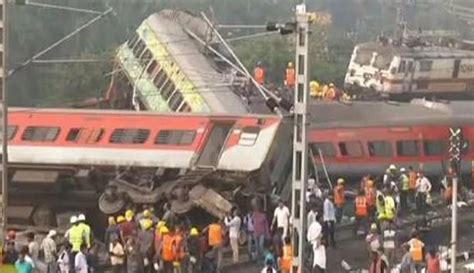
300	140
455	139
4	122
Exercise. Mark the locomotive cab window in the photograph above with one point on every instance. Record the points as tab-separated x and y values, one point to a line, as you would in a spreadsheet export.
407	148
129	136
425	66
351	149
380	148
11	132
326	148
175	137
40	134
249	136
402	67
433	147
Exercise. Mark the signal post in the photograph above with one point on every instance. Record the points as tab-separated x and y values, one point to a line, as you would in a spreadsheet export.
3	114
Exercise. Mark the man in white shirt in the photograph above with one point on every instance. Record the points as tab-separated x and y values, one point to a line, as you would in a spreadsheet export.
117	255
314	237
281	217
233	223
329	218
312	215
50	251
80	261
423	189
33	248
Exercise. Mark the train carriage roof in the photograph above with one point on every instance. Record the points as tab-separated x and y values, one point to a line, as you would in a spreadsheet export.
370	114
426	52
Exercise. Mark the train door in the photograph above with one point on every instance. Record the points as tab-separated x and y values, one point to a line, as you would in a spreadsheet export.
408	76
215	143
457	64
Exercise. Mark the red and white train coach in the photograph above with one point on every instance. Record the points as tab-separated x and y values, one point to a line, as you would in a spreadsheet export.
366	137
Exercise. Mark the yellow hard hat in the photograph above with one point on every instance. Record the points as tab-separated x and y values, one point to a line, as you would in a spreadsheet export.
147	224
194	232
314	84
112	221
129	215
160	224
120	219
164	230
373	226
176	264
146	213
290	64
340	181
331	85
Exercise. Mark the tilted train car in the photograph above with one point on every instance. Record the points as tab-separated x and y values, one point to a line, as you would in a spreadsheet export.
366	137
403	72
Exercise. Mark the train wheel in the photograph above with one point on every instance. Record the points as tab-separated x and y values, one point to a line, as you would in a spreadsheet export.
111	201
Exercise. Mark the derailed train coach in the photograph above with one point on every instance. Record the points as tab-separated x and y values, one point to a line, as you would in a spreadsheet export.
68	159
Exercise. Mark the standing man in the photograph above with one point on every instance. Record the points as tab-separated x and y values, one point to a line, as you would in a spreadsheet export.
390	208
215	240
33	248
50	251
329	218
22	265
339	199
370	198
290	77
75	238
416	251
233	223
412	177
361	212
260	232
281	217
423	187
314	237
405	180
145	243
80	261
389	235
86	229
259	73
377	264
195	255
251	241
117	254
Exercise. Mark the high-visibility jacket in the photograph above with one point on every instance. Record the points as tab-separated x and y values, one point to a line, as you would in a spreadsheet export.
389	207
412	180
290	77
215	235
259	75
370	196
380	206
330	94
405	182
339	198
416	250
167	252
178	247
76	237
361	206
287	260
86	231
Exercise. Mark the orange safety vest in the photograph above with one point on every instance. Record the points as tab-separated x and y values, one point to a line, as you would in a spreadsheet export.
416	251
259	75
290	77
361	206
287	260
412	180
178	247
330	94
370	197
215	235
339	196
167	252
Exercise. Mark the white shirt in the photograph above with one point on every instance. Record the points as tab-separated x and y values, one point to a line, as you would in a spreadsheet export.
234	226
80	263
389	238
63	262
282	216
311	217
265	270
49	248
423	185
314	232
329	212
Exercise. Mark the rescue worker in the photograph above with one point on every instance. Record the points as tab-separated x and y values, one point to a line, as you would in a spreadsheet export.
412	177
259	74
145	218
166	251
390	208
215	240
390	176
423	189
157	244
290	77
76	237
179	250
405	181
128	227
195	255
339	199
145	243
315	90
416	251
389	235
111	230
120	221
286	261
380	206
330	93
370	198
361	212
86	229
373	239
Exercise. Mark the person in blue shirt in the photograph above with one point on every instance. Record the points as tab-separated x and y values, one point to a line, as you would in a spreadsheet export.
21	265
268	254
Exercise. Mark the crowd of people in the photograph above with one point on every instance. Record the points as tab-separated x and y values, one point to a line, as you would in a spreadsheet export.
143	241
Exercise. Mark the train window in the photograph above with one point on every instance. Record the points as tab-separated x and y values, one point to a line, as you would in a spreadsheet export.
351	148
73	134
176	101
425	66
146	57
363	57
433	147
175	137
152	66
138	48
11	132
249	136
407	148
402	67
131	43
326	148
85	135
185	108
380	148
129	136
40	134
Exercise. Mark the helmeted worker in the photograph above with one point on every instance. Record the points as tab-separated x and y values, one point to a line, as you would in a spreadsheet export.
86	229
361	211
390	209
166	251
286	261
194	250
370	197
330	93
339	199
380	206
290	76
315	90
412	177
128	227
215	239
75	235
416	251
259	73
405	181
146	218
179	250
